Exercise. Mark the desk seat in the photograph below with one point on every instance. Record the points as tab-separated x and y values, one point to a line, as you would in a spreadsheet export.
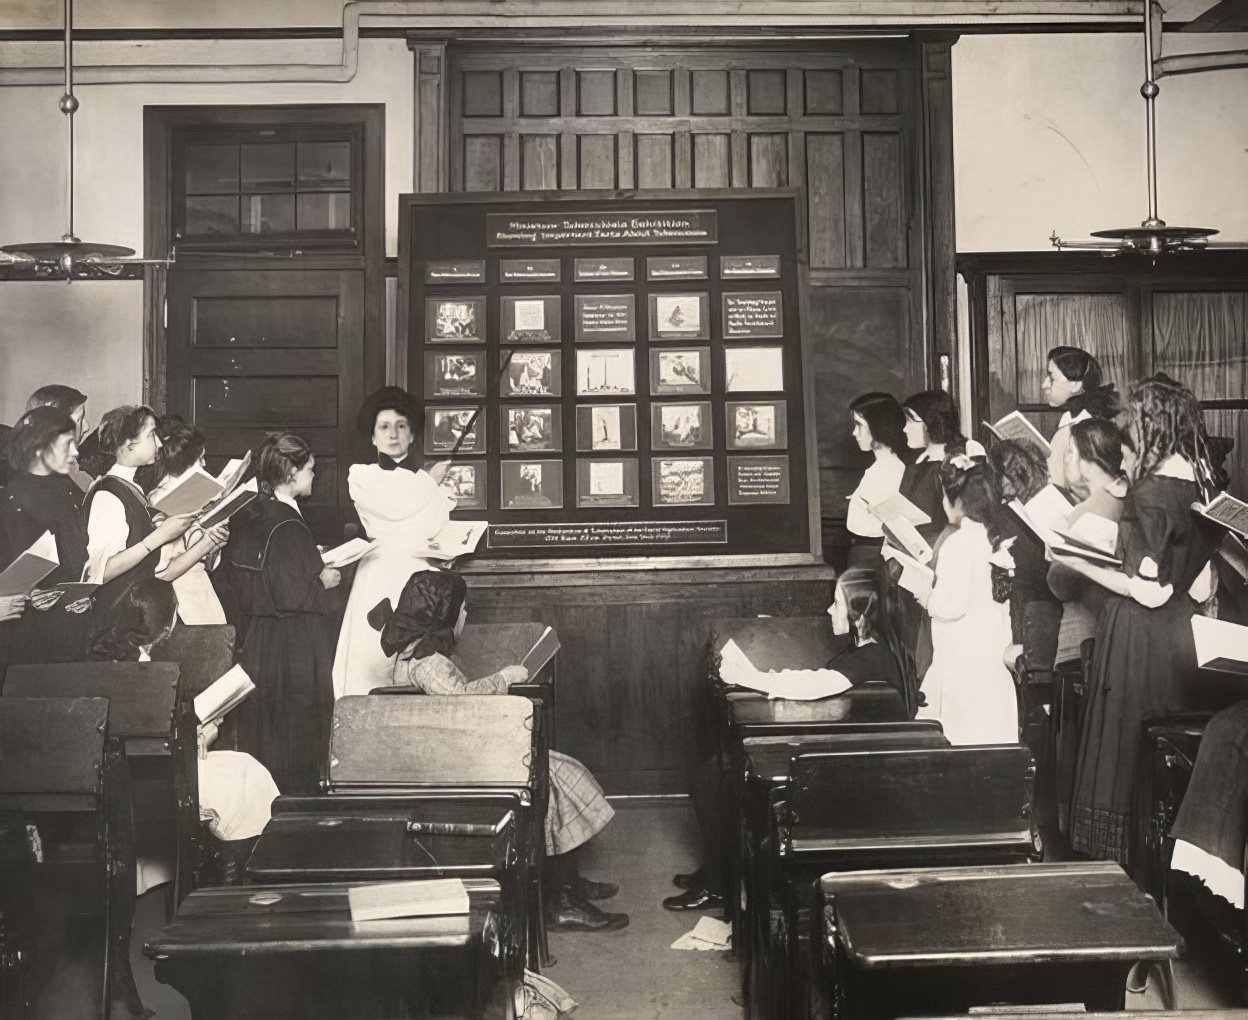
935	940
292	952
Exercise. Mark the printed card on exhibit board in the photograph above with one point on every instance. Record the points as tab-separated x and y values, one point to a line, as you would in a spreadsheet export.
758	480
532	484
680	370
446	425
467	481
530	429
455	374
605	318
683	481
532	374
754	370
605	372
757	425
606	427
455	319
681	426
531	320
679	317
607	483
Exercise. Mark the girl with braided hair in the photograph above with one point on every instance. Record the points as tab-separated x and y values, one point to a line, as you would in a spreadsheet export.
1144	653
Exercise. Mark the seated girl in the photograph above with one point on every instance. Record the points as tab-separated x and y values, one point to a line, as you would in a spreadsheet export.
420	636
869	657
235	790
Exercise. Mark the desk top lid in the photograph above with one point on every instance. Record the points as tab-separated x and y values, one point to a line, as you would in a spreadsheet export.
1022	913
276	919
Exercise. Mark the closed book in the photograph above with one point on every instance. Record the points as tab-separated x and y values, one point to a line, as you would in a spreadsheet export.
543	650
430	898
30	567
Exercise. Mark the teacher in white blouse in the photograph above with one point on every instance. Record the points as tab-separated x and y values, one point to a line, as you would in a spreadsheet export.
401	506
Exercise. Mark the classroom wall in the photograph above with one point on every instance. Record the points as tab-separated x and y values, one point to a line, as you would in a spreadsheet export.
1048	133
90	334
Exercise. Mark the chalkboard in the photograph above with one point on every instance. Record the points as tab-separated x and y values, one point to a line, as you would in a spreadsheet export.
639	364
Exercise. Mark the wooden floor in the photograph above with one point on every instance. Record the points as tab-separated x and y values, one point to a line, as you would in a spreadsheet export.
634	974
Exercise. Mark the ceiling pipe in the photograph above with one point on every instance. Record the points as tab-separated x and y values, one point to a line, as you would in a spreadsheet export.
456	14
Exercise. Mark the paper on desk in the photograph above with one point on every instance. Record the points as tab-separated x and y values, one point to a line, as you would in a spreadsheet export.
427	898
708	933
791	684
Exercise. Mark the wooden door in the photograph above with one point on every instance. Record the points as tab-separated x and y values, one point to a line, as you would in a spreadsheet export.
252	351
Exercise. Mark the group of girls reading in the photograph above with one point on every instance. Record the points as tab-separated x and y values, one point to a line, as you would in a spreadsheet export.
1139	469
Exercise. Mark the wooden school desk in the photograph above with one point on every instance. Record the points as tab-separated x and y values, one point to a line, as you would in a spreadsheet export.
292	952
366	839
941	940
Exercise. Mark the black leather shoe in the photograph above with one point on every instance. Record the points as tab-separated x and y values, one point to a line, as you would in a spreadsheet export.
689	879
695	899
571	913
588	889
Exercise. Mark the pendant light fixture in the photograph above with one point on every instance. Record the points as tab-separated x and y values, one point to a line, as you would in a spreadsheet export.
71	257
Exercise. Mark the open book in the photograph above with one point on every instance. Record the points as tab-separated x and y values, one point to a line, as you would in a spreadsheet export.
1226	510
219	698
233	472
1045	513
227	508
428	898
916	576
899	518
195	490
1221	645
349	552
456	538
1015	426
31	567
793	684
543	650
1091	537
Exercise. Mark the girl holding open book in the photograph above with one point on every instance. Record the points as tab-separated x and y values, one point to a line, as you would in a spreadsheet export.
181	453
1075	384
1144	655
289	608
1093	466
967	687
879	428
40	496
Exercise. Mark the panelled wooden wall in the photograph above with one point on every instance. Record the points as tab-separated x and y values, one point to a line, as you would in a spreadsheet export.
861	127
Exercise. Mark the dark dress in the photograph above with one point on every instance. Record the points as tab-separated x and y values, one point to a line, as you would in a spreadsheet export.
1144	662
29	506
288	648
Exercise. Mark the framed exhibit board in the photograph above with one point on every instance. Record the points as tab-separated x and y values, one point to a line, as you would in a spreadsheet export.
630	370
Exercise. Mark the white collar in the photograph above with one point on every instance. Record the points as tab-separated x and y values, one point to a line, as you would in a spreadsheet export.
1176	466
144	655
290	501
124	472
1068	419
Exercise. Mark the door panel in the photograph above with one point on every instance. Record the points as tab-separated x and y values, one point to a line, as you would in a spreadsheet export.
252	351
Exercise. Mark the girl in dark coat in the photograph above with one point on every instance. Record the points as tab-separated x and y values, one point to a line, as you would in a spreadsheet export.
1145	656
290	611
